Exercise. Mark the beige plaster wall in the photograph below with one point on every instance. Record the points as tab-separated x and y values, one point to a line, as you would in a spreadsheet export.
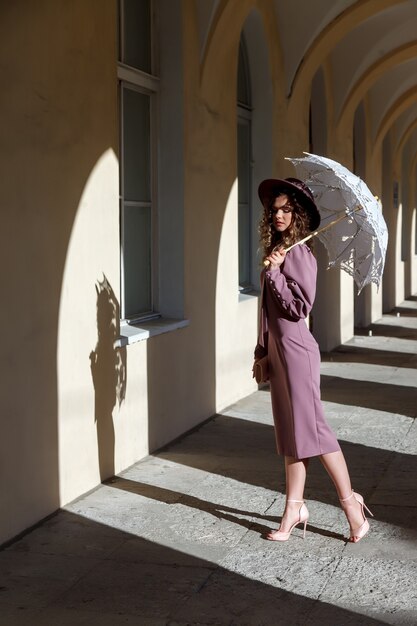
333	312
80	409
236	317
410	266
373	177
399	263
412	287
220	320
60	107
77	408
393	279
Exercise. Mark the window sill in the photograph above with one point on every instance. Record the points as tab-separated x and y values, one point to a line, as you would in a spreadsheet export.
132	333
248	295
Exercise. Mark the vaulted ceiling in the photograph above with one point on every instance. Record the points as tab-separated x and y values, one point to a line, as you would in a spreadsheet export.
368	46
371	53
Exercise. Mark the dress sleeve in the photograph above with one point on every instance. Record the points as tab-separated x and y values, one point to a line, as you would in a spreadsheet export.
293	284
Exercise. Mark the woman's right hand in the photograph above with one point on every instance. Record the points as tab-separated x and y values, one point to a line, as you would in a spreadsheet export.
276	258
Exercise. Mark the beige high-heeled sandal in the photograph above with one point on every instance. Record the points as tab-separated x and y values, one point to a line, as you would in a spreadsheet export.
356	534
303	515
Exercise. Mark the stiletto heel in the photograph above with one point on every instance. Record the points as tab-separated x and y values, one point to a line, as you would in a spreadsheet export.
303	515
356	534
305	527
365	507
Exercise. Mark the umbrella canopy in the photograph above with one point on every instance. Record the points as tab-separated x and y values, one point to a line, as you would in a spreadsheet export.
358	244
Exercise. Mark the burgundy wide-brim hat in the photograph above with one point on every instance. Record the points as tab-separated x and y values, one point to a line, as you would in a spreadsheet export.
272	187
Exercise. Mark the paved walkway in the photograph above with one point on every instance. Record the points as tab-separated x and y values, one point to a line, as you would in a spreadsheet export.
178	538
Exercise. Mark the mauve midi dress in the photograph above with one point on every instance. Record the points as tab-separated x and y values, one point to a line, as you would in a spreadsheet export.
301	429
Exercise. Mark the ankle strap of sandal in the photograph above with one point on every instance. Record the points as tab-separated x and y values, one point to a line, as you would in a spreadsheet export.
348	498
300	501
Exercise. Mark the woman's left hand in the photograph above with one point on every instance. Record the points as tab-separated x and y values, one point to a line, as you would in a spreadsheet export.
276	258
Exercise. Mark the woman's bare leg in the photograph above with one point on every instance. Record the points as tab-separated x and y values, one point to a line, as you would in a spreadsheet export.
335	465
295	472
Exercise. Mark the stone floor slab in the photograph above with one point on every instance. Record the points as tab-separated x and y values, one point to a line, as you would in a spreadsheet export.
373	586
145	590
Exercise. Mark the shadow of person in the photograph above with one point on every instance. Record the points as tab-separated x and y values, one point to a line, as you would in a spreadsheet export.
218	510
108	371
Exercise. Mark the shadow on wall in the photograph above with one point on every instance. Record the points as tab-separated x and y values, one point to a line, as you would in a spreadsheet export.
109	374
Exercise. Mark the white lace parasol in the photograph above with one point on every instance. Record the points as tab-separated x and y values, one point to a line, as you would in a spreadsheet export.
357	243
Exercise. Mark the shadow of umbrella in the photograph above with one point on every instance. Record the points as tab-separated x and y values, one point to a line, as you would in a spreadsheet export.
108	371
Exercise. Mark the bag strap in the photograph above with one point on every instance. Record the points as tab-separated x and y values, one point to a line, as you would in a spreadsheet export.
262	330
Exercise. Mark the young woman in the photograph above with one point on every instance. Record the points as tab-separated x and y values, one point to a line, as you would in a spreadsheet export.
289	285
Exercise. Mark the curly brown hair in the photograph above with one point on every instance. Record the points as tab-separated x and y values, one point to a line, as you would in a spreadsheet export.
298	228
